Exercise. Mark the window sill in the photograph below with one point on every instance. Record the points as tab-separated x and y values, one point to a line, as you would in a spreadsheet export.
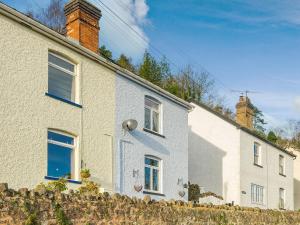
260	166
153	193
57	178
63	100
152	132
282	174
257	203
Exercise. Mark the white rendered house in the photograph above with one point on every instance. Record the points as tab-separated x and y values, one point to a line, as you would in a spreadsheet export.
63	106
296	180
237	164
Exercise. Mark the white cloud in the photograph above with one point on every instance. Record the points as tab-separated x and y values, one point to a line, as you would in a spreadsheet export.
141	9
116	35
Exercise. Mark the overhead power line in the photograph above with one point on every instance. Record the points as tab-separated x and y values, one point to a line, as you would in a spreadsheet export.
157	50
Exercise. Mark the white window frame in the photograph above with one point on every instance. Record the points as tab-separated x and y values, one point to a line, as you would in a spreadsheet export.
281	198
159	111
74	155
159	168
257	194
74	94
281	165
258	154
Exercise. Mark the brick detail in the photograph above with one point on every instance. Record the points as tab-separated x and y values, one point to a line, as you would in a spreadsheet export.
244	112
82	23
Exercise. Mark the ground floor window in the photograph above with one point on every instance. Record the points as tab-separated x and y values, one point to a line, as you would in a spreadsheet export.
257	194
281	198
152	174
61	147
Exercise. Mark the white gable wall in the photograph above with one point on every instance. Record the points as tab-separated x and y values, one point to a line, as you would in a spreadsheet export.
214	156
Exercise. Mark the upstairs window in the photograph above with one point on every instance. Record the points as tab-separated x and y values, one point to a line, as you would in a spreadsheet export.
61	158
257	194
152	174
281	165
257	154
152	114
61	77
281	198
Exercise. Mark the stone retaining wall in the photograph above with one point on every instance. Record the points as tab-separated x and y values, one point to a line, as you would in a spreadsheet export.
46	207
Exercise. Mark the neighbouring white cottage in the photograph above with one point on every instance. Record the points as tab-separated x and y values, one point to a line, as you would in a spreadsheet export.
296	179
231	160
63	108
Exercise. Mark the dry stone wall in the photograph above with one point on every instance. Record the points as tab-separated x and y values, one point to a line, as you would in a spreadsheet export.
47	207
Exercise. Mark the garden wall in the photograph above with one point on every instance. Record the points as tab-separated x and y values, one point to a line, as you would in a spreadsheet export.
47	207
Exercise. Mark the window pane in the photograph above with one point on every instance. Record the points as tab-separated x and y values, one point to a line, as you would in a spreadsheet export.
155	179
59	161
155	121
60	84
147	178
60	138
61	63
147	118
151	162
152	104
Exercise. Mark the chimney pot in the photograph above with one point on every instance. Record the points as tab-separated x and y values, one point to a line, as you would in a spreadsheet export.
82	23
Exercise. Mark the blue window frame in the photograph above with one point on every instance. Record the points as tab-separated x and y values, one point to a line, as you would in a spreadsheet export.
61	149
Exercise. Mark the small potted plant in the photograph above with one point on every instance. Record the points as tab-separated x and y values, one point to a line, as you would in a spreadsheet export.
85	173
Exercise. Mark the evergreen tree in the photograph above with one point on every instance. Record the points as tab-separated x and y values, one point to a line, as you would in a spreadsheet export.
150	69
272	137
126	63
259	121
105	52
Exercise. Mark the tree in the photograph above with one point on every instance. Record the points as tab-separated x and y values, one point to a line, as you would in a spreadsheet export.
193	85
259	121
105	52
126	63
272	137
52	16
150	69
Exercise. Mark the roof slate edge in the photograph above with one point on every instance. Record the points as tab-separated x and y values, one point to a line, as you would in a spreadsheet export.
238	126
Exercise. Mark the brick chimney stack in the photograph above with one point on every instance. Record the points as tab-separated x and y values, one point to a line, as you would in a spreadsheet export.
244	112
82	23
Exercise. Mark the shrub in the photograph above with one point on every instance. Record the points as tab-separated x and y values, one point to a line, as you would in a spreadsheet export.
56	185
85	173
89	187
194	192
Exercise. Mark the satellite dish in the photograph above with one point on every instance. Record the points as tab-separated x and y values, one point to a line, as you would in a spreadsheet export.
130	125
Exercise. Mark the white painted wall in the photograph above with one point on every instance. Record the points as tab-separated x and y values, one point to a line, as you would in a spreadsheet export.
26	113
268	176
172	150
221	160
297	180
214	158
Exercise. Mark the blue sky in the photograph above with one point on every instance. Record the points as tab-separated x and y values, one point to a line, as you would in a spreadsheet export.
245	44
